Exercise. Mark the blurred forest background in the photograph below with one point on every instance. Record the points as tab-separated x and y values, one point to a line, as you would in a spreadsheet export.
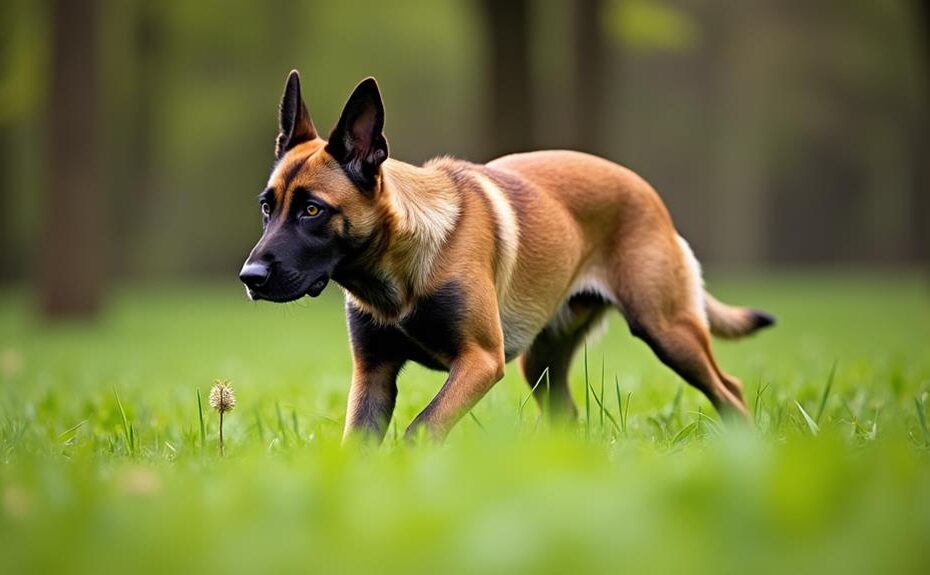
135	134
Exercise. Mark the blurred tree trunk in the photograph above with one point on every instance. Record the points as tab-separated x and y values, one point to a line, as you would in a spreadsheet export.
734	212
72	270
921	145
7	261
589	75
139	179
511	102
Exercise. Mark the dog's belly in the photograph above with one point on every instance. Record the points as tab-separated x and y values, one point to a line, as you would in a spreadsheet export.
521	322
518	335
524	315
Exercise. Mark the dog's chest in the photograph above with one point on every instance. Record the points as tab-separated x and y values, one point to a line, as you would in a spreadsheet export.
435	324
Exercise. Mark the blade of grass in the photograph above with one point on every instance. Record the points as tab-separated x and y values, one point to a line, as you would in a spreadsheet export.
854	420
548	391
259	426
757	405
295	424
712	423
626	416
620	406
326	418
780	415
203	427
675	409
873	433
545	374
475	419
127	432
281	427
685	432
604	411
826	394
587	399
811	424
601	402
922	418
72	429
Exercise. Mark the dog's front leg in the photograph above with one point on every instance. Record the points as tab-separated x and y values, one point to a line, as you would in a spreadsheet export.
371	401
471	375
378	354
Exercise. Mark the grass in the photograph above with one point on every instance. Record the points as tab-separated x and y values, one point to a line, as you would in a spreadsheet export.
108	465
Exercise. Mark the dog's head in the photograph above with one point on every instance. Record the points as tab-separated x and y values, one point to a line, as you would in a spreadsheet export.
320	206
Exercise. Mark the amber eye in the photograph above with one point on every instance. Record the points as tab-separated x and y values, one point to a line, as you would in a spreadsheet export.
313	210
266	208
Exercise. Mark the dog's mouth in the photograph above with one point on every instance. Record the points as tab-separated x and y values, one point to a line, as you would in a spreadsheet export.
290	291
318	285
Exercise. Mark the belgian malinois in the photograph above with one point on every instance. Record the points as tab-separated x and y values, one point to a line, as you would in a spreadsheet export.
463	267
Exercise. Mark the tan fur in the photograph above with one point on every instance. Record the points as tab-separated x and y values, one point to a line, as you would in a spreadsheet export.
728	322
507	227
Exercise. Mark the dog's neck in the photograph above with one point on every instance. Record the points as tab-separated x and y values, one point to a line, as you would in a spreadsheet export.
423	207
423	202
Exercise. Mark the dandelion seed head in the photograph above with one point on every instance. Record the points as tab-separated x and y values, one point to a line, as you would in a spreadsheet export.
222	398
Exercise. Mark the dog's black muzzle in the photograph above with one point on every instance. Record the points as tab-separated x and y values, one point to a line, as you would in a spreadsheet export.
275	283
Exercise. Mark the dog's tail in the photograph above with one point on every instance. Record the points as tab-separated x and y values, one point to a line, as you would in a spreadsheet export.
728	322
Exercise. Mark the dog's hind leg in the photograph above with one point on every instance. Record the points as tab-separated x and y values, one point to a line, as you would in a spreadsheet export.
659	288
553	349
683	345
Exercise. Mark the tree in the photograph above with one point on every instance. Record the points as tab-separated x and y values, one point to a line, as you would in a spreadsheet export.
510	118
921	144
72	262
589	77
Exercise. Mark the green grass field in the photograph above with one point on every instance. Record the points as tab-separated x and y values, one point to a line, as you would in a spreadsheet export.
836	477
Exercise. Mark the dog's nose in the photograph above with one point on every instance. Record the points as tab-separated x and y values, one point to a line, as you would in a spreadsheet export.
255	274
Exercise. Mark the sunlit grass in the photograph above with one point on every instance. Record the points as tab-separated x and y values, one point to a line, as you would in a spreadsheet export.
109	464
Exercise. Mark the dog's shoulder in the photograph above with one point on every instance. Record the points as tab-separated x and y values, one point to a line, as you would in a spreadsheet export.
470	177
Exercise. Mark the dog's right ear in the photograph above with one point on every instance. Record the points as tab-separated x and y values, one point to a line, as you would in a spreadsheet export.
357	142
294	123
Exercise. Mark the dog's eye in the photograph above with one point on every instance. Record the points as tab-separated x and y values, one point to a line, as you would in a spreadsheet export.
313	210
266	209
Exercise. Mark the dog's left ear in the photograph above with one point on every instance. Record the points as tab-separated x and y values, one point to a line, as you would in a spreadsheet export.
295	125
357	141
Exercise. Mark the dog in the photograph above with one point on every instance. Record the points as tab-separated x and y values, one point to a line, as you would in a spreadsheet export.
464	267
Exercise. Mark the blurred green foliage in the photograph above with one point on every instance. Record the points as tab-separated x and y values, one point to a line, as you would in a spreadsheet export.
795	126
647	25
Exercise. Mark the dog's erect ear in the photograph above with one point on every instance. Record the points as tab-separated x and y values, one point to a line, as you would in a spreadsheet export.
357	141
294	123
